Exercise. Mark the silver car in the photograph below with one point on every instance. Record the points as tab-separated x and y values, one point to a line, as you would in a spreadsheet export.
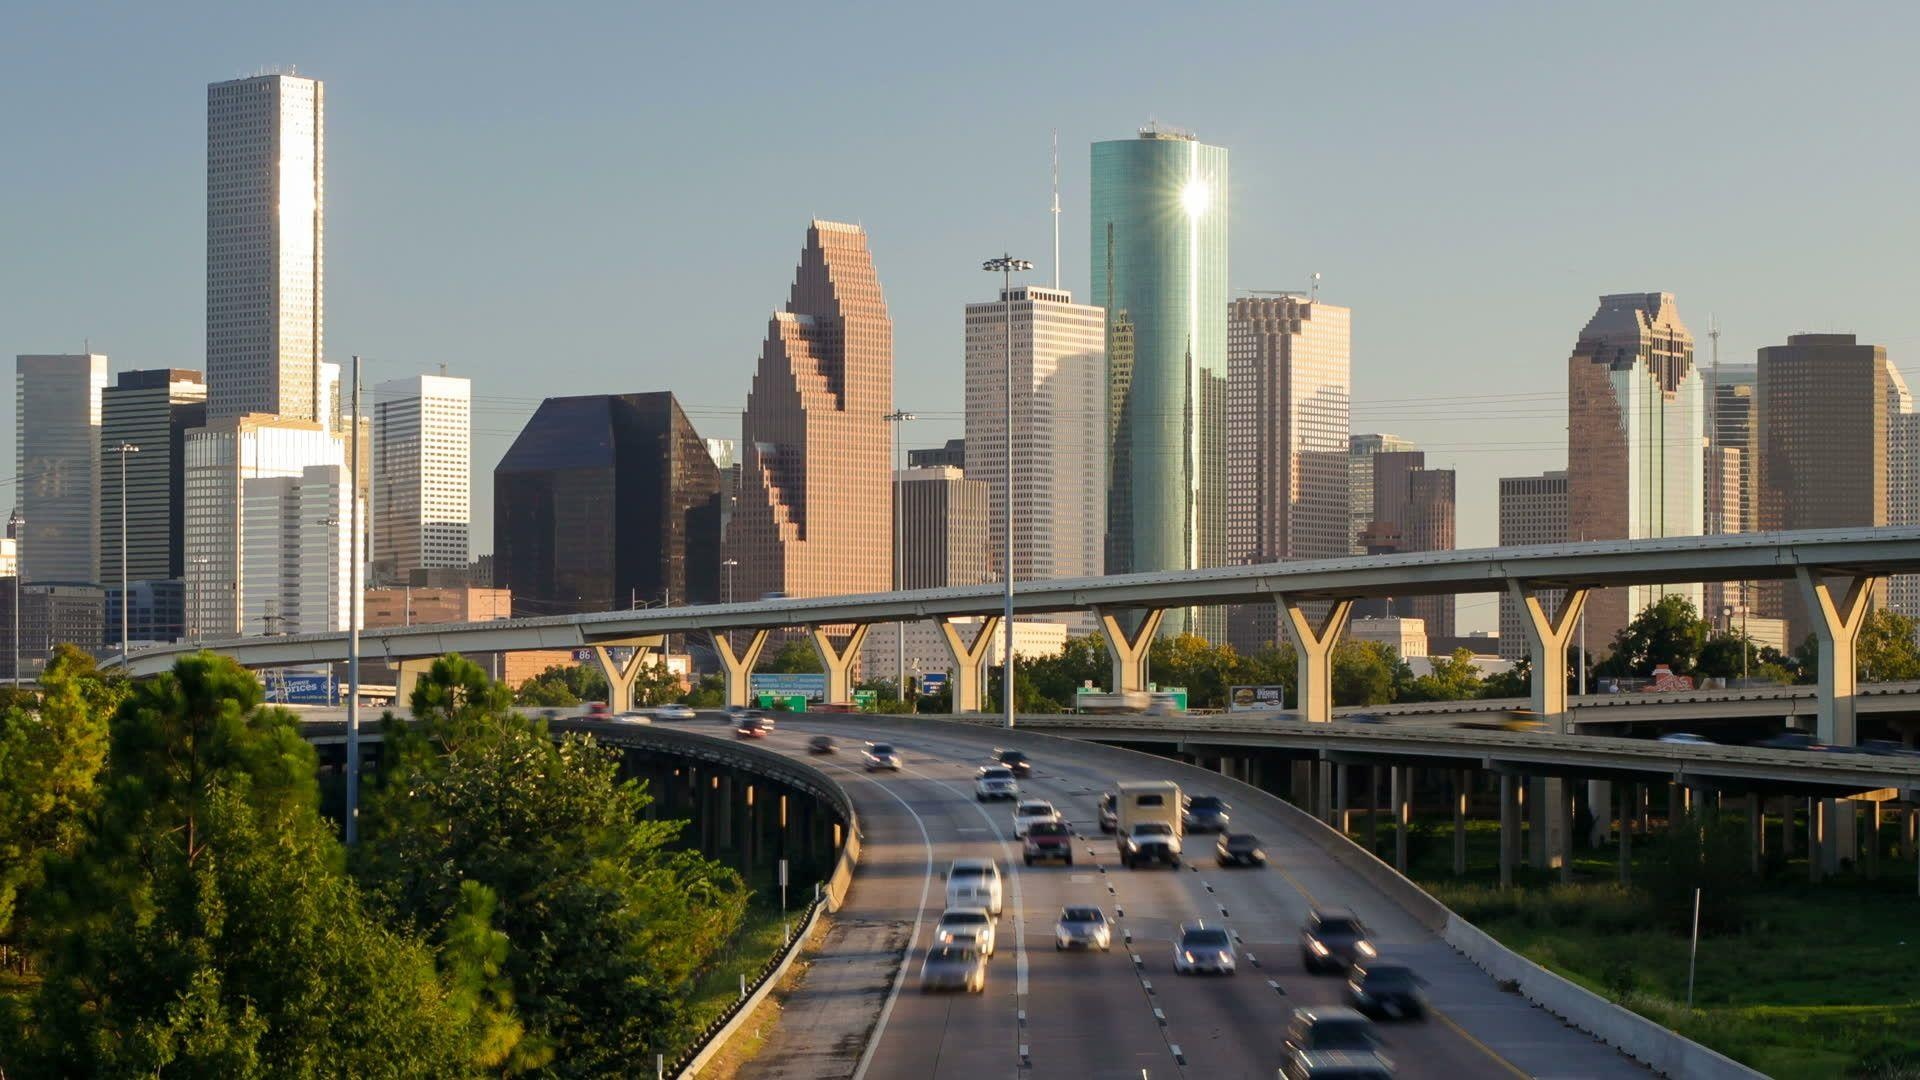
1083	928
1203	948
673	712
954	967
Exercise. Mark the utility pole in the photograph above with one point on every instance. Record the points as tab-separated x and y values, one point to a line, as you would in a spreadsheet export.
1005	265
353	617
896	418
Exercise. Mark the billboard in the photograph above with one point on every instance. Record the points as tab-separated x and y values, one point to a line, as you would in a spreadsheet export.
933	682
1256	698
811	687
301	688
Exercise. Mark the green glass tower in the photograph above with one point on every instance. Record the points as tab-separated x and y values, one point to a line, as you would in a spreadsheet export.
1159	267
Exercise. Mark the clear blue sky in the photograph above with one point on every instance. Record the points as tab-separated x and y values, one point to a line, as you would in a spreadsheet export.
604	197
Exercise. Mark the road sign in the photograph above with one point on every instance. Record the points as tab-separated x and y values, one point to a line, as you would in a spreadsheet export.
933	682
811	687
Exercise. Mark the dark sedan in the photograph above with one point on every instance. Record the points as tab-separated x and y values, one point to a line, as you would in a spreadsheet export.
1207	813
821	744
1021	765
1240	849
1389	990
1334	940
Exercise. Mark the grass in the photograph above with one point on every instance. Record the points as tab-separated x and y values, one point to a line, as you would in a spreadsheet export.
759	937
1816	980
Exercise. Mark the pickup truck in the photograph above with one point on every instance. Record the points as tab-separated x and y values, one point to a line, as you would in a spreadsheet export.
1049	840
1150	841
1148	822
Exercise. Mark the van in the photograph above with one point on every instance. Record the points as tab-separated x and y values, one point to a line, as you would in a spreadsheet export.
975	883
1150	822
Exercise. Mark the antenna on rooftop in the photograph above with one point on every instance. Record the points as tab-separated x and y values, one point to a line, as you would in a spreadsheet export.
1314	295
1056	208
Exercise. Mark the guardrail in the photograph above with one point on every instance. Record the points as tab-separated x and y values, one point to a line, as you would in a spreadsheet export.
714	1039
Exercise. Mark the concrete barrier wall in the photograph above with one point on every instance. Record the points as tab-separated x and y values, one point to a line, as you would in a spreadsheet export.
1659	1048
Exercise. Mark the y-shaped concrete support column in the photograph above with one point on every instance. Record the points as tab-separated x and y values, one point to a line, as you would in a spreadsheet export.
621	677
1836	625
1129	651
406	675
1547	645
738	667
1313	648
969	662
838	662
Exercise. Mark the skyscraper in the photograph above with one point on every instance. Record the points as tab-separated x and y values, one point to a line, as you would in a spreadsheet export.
1824	404
606	501
1732	416
57	452
814	437
265	230
1159	267
1059	429
1288	390
1635	428
1360	452
152	410
945	536
1533	510
1413	510
296	562
422	458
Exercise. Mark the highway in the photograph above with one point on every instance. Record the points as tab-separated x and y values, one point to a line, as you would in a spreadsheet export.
1122	1014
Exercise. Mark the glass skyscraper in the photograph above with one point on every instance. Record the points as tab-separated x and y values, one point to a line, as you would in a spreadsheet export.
1159	267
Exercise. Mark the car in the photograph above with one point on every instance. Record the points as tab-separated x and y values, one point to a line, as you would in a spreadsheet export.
995	782
1886	748
633	716
1109	811
1323	1028
882	756
1239	849
753	728
954	967
1150	841
822	744
598	708
1333	940
1027	812
1383	988
1203	948
1207	813
1016	761
674	711
976	883
1687	737
1789	740
1335	1065
966	926
1049	840
1082	927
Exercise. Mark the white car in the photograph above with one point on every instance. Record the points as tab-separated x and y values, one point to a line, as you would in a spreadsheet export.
975	883
1083	927
1029	812
966	926
673	712
635	717
1687	737
995	782
1203	948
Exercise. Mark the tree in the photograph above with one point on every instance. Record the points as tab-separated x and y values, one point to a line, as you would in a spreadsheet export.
1365	672
1887	649
206	927
1189	660
50	757
605	924
1669	631
1728	656
563	686
795	657
1058	678
1515	682
1453	678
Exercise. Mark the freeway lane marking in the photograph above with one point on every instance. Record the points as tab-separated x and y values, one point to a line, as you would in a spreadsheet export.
1013	878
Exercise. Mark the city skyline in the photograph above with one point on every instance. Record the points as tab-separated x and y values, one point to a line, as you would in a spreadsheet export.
1275	245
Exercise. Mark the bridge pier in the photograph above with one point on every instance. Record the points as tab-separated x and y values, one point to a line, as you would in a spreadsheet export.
1313	649
1462	791
1401	781
1373	809
1627	792
1509	829
407	674
1817	849
1836	626
738	667
969	679
838	662
1600	801
1129	651
1340	812
1547	637
622	676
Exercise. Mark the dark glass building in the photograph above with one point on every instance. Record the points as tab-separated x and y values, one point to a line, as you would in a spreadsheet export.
607	501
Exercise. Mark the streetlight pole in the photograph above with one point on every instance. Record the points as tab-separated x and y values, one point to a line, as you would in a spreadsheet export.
896	418
1005	265
126	592
730	564
353	617
16	525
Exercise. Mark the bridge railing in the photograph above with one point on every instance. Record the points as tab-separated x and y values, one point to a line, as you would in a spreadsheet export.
713	1038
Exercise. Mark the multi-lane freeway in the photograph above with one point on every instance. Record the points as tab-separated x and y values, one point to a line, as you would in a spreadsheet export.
1121	1014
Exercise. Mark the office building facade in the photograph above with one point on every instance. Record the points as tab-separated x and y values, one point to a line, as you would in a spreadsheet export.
57	454
1636	424
815	447
421	475
1159	268
295	554
1360	452
951	454
153	410
607	501
945	538
266	195
1289	387
50	615
1533	510
1059	430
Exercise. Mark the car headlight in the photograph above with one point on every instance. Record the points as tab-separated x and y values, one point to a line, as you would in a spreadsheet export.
1318	949
1189	956
1364	948
1226	958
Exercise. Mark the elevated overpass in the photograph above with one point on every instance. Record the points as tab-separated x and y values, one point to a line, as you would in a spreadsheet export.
1898	699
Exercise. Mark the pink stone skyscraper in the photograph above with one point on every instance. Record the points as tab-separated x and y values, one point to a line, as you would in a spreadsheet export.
814	516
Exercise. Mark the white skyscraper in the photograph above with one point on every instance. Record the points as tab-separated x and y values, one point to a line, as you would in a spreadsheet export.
295	556
1903	482
265	231
220	458
1059	430
57	452
422	484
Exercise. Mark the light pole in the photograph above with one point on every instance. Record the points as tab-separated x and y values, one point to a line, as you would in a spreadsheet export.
730	564
1005	265
17	526
896	418
353	617
126	593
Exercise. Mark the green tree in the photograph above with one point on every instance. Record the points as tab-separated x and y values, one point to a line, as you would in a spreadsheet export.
1453	678
1727	656
206	927
1669	631
795	657
1189	660
1058	678
1887	649
1271	665
605	924
1365	672
50	756
564	686
1515	682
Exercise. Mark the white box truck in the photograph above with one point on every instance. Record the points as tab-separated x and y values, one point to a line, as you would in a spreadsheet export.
1150	823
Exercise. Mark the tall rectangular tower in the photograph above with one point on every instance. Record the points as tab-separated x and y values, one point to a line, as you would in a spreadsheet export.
1059	429
814	468
944	534
1533	510
1361	450
152	410
1289	383
1159	268
1635	428
57	452
422	484
266	196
